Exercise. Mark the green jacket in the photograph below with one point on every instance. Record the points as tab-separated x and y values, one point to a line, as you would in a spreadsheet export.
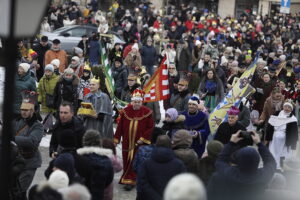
46	85
25	83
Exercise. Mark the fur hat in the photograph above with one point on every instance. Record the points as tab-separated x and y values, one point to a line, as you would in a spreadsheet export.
58	179
91	138
185	186
172	113
55	62
214	147
25	67
49	67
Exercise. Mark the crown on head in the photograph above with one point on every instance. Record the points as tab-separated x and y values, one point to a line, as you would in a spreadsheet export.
95	80
137	94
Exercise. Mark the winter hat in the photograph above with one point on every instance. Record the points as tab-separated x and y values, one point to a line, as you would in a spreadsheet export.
282	57
55	62
58	179
272	69
69	71
197	42
233	111
135	46
194	100
163	141
247	159
49	67
91	138
25	66
76	58
185	186
173	113
182	139
66	163
214	147
119	59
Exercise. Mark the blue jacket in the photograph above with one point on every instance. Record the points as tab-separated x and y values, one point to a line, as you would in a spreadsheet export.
149	55
94	52
243	181
24	83
156	172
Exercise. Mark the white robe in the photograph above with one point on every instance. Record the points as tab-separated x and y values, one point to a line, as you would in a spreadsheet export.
277	146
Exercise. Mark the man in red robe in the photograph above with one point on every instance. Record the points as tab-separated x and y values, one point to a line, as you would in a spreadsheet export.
135	127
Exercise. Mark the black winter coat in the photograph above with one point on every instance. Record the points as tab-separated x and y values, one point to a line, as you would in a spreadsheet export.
231	183
156	172
66	91
98	173
120	77
67	137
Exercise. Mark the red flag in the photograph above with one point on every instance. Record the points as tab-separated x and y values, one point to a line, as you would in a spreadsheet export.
158	86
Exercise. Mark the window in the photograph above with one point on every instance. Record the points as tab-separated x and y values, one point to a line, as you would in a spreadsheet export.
76	32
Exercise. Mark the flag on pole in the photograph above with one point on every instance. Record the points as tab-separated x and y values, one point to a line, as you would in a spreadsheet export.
109	81
241	89
158	86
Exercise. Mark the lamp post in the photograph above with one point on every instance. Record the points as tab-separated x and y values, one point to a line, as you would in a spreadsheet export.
19	19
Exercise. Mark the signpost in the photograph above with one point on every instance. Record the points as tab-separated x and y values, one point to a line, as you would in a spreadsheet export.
285	6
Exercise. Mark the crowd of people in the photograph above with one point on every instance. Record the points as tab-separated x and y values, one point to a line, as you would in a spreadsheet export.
176	156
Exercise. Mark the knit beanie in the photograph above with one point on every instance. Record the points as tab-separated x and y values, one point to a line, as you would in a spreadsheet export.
55	62
78	50
49	67
76	58
247	159
91	138
214	147
66	163
69	71
185	186
173	113
58	179
163	141
25	67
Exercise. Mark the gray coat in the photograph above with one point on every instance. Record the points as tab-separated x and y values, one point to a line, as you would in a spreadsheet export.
28	140
103	123
154	106
180	100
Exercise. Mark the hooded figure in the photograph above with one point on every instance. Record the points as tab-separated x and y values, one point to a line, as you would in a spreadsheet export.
181	144
244	180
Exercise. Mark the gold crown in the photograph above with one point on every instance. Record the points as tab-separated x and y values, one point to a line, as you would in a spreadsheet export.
95	80
87	67
138	93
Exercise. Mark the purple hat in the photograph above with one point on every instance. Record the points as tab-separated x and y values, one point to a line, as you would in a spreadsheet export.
173	114
233	111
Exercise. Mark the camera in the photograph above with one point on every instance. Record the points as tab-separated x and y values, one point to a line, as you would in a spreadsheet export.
246	135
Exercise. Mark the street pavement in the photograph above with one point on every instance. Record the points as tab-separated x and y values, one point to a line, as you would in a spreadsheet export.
119	192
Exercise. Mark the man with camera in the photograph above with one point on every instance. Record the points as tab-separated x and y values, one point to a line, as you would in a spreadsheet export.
226	129
244	180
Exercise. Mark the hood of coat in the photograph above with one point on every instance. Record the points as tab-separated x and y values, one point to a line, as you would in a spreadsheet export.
247	159
75	81
162	154
97	150
182	139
